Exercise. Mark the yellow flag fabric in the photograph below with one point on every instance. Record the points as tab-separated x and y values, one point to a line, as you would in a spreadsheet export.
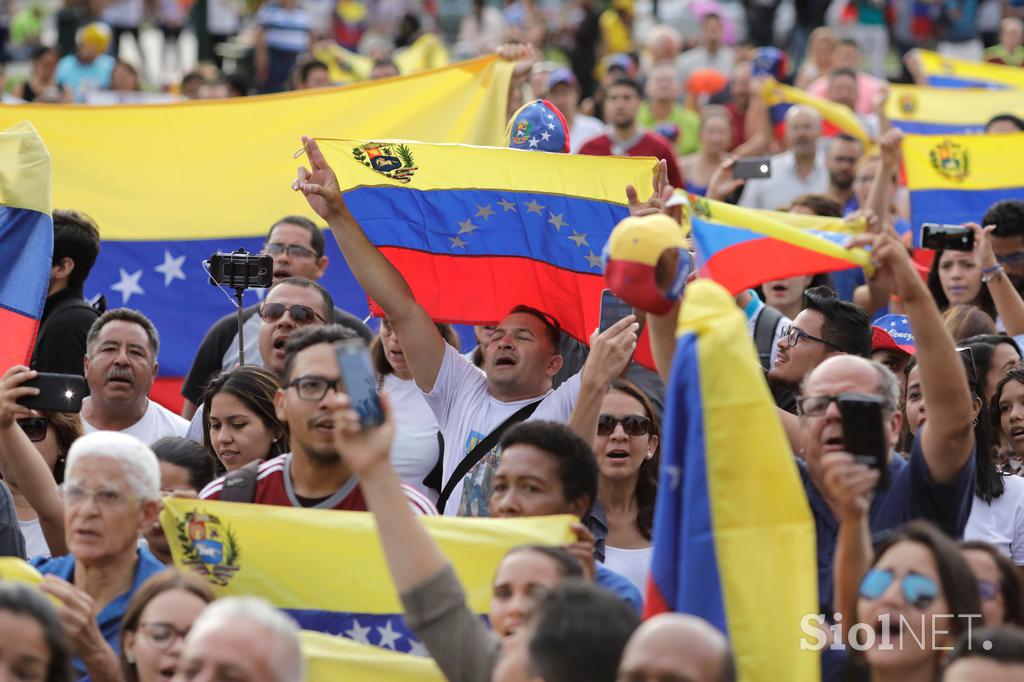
17	570
221	168
948	111
326	568
779	98
329	659
946	72
345	66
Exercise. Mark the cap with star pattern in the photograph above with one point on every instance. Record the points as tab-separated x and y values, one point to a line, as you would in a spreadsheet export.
538	126
892	332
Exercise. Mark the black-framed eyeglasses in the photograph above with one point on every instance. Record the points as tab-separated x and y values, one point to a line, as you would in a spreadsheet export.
314	387
294	250
34	427
162	634
301	314
632	424
794	336
817	405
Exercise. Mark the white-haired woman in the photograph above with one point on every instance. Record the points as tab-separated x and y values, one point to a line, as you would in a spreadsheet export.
111	494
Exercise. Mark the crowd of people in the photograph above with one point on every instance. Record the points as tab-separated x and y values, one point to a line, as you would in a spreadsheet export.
927	546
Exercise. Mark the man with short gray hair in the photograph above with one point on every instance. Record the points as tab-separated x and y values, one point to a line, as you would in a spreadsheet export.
242	638
120	365
799	170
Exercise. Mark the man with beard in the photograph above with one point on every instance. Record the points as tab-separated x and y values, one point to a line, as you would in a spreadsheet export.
120	364
841	157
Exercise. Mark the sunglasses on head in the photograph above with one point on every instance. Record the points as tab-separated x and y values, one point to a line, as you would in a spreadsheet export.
301	314
633	425
918	590
34	427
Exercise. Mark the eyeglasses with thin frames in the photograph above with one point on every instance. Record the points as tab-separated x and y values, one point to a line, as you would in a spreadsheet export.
294	250
794	336
105	498
162	635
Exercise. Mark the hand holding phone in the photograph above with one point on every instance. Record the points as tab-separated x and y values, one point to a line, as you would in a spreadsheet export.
360	381
864	433
613	309
946	237
752	168
57	393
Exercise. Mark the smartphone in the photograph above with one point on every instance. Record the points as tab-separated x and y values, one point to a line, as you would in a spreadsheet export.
752	168
360	380
241	270
864	433
946	237
57	393
613	309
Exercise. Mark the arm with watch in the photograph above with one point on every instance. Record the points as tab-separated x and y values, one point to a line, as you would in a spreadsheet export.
1007	300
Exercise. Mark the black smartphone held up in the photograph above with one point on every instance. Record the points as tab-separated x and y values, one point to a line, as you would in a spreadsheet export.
752	168
613	309
356	369
864	433
241	270
946	237
57	393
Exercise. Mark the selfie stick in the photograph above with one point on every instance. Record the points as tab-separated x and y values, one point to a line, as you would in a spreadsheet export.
241	342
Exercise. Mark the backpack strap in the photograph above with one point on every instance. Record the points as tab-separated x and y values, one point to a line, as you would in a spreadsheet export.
240	484
481	449
764	334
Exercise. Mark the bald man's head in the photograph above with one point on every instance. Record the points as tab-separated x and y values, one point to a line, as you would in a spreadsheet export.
674	646
803	128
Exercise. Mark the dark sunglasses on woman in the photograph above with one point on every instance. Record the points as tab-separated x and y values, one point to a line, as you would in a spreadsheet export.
34	427
633	425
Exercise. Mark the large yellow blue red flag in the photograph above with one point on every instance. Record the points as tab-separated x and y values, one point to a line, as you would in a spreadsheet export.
948	111
171	184
733	544
946	72
740	248
326	568
26	240
501	226
955	178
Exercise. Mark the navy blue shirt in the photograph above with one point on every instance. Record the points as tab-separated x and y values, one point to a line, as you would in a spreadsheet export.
912	494
109	619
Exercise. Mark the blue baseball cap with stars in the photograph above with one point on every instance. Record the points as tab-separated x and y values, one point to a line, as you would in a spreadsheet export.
538	126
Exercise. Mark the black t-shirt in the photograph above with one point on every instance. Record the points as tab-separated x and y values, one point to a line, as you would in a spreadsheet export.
223	334
60	344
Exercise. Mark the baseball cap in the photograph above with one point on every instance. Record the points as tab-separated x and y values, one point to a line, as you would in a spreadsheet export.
631	260
892	332
620	60
538	126
561	75
770	61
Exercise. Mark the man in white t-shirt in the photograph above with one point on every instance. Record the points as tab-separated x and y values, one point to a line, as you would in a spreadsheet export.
520	360
120	364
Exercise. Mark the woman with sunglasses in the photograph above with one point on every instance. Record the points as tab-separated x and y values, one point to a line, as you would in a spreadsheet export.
156	621
240	422
997	512
33	449
1002	602
627	449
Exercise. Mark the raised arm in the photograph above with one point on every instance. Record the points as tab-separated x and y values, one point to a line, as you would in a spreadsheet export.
948	436
878	291
1005	296
610	352
21	463
421	342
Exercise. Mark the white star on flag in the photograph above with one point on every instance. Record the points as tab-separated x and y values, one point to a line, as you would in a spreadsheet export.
171	268
358	633
129	285
416	648
388	637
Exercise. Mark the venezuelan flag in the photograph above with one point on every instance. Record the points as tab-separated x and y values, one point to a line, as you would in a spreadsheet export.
345	66
922	110
26	233
171	184
955	178
733	544
835	118
946	72
501	226
326	568
740	248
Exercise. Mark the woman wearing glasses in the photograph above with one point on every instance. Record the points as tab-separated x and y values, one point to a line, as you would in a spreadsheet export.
156	621
626	447
33	449
240	422
998	584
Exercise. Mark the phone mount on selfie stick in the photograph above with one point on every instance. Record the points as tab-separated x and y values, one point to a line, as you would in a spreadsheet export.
240	270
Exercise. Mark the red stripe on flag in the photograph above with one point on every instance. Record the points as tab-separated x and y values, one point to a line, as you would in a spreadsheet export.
755	262
654	603
481	290
17	340
167	392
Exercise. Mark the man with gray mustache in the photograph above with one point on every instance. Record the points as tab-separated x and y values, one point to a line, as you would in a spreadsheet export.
120	364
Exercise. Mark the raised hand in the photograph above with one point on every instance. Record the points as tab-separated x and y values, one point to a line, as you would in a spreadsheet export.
363	449
890	144
983	252
11	390
661	193
722	184
319	184
849	483
583	549
611	350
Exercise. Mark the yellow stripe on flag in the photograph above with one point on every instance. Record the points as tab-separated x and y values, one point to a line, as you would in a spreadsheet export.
329	659
25	176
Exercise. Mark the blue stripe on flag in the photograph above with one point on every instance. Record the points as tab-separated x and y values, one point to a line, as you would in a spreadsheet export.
926	128
26	255
955	206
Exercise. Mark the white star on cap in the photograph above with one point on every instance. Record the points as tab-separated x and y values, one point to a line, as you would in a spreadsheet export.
545	136
534	141
171	268
129	285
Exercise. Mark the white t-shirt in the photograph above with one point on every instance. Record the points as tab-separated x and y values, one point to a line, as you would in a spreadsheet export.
1001	523
583	128
414	449
154	425
467	413
35	541
632	564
